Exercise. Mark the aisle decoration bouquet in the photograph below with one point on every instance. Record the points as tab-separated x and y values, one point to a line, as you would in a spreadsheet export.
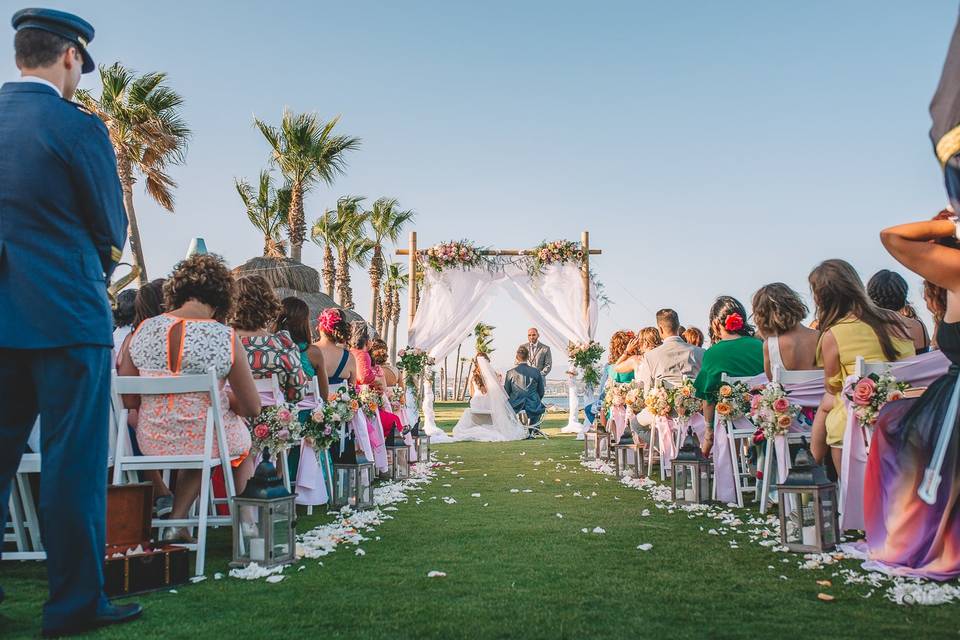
733	401
585	356
685	401
370	400
275	430
320	429
871	393
452	255
772	412
556	252
342	405
616	395
634	398
658	401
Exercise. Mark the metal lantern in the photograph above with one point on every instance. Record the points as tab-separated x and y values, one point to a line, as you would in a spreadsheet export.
596	444
628	444
353	485
264	520
398	457
589	445
421	441
808	507
692	473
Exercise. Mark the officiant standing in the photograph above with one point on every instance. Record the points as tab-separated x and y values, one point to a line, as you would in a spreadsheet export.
540	357
62	230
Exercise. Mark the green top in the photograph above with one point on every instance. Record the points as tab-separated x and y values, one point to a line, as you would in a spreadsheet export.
619	377
737	358
305	361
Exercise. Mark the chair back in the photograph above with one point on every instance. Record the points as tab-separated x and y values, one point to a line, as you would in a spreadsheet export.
786	377
269	390
864	368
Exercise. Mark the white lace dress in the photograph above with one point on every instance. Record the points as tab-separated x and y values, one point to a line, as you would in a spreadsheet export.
175	424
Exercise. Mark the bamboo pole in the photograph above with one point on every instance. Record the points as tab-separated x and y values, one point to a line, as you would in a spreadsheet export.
412	287
585	275
498	252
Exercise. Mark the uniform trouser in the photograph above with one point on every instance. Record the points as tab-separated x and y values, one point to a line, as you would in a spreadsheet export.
69	387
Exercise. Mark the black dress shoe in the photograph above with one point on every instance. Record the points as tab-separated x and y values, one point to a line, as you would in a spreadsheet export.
113	614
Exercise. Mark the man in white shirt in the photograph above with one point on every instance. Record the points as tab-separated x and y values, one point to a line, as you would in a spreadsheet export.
671	361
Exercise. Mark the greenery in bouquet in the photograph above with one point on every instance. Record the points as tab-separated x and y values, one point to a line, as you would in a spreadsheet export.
452	255
658	401
370	400
586	356
321	430
685	401
484	335
733	401
771	410
555	252
276	429
414	362
871	393
342	405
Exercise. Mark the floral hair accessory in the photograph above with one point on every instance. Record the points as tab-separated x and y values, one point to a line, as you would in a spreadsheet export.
734	322
328	320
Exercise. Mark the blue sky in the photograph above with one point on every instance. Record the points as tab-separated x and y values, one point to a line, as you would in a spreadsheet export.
708	147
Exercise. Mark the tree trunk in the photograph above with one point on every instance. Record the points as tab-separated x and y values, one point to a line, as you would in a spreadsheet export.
344	293
329	270
376	275
458	368
386	313
296	222
395	317
393	344
133	229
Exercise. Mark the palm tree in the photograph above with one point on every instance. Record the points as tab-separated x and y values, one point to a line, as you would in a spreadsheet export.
267	211
321	233
386	223
143	116
346	234
396	282
307	152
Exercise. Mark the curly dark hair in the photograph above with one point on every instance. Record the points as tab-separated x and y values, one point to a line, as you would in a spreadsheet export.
359	334
723	307
149	301
124	312
257	305
618	344
778	309
341	331
204	278
378	351
888	290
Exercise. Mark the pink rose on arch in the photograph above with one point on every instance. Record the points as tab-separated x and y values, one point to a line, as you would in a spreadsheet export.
863	392
261	431
780	405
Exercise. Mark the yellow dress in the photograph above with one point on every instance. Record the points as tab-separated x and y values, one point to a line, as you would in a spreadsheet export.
854	338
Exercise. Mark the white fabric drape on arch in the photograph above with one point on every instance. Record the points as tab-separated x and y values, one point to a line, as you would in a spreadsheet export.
453	301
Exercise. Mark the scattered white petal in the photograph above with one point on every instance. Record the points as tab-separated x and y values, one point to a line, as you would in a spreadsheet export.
528	491
301	567
196	579
559	515
436	574
218	576
474	495
514	490
598	530
275	579
584	530
360	552
646	546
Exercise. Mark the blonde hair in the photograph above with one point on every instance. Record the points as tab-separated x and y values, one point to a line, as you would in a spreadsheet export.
777	309
650	338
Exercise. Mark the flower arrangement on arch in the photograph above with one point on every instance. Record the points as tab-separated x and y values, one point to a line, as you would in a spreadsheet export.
275	430
771	411
658	400
871	393
733	400
555	252
414	362
452	255
585	356
685	400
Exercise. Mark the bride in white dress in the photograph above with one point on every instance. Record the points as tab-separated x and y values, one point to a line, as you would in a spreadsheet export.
490	417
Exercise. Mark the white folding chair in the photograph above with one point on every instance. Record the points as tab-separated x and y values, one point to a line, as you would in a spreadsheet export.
533	430
786	378
313	389
271	395
738	443
23	518
126	462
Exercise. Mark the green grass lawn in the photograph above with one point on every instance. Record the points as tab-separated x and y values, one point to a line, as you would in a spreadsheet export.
515	570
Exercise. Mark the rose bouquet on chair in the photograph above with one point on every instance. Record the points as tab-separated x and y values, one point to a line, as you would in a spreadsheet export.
321	429
369	399
871	393
772	412
685	402
658	401
733	401
275	430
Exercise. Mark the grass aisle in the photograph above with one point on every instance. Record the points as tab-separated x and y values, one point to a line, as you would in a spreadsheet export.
515	569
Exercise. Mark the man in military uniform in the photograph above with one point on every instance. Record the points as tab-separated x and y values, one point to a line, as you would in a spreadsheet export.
62	229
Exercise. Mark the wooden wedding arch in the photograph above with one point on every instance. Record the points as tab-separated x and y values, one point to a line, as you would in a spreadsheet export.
413	253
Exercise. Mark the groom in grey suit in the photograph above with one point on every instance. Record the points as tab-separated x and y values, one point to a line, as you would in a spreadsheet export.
540	357
525	387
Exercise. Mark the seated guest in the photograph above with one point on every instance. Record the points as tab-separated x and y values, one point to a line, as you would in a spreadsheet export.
190	339
624	354
295	320
368	376
386	377
852	326
935	299
525	387
735	351
673	359
123	315
339	366
629	361
904	533
888	290
779	312
693	336
270	354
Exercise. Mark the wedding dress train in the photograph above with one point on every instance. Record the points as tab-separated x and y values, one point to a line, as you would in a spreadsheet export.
490	417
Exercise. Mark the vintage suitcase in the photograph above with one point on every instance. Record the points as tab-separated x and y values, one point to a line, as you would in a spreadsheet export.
127	568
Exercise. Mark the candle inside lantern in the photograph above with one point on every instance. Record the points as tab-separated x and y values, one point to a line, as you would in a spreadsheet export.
257	549
809	535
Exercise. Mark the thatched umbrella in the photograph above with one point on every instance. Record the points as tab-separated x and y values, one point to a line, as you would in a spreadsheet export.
291	278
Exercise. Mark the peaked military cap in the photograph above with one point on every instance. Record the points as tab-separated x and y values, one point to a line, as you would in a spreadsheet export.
66	25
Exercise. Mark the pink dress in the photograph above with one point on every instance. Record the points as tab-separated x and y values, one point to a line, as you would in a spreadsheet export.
366	375
174	425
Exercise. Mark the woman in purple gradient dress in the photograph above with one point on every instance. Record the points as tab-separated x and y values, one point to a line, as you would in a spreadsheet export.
906	535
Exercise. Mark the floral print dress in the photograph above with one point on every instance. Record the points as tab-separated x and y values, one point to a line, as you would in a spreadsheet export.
277	355
172	425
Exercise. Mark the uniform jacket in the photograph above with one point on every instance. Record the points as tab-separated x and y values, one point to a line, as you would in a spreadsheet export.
62	221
